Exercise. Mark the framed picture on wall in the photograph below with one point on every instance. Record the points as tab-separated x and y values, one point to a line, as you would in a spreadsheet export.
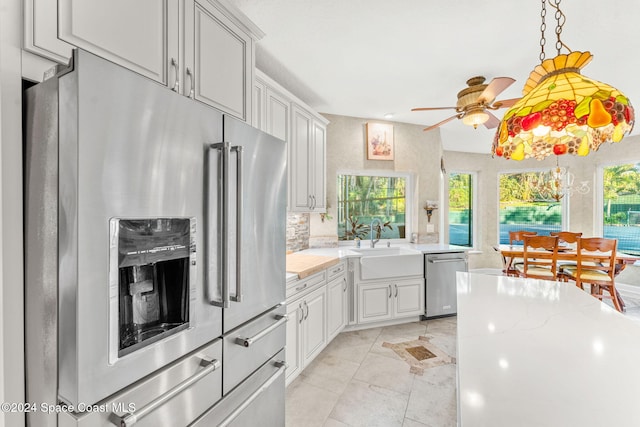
379	141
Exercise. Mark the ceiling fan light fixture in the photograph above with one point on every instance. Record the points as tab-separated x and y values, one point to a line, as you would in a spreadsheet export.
562	111
475	117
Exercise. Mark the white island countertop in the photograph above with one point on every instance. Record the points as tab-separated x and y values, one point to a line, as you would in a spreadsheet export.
538	353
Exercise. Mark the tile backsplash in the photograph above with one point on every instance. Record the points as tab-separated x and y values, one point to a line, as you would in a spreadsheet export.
297	231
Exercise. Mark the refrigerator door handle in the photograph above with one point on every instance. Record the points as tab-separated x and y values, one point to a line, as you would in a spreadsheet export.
224	148
130	419
246	342
281	367
239	209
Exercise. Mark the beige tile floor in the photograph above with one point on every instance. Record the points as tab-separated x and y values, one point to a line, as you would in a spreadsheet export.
356	381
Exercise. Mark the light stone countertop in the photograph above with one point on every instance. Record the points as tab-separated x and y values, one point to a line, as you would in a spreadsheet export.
346	252
539	353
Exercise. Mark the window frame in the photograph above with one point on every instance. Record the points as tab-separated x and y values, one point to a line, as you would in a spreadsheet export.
565	220
475	214
598	199
408	202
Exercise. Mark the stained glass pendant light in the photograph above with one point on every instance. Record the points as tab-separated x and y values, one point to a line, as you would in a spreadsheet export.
562	111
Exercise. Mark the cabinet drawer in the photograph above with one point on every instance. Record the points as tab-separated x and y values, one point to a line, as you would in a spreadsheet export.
179	410
251	345
300	287
336	270
260	397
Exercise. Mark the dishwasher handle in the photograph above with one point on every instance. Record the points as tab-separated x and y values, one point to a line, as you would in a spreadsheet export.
440	261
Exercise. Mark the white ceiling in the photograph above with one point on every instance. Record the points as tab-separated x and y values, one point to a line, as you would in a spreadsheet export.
365	58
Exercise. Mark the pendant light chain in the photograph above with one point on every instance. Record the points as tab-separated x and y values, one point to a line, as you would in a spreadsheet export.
560	20
543	27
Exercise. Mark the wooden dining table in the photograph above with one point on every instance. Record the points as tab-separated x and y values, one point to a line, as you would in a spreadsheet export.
568	253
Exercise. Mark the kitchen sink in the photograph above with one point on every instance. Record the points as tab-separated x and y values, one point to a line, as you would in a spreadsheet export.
385	262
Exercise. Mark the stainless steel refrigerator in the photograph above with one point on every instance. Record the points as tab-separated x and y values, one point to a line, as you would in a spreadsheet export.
154	253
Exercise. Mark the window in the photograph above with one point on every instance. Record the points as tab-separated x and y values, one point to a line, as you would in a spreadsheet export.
364	198
621	205
527	203
461	212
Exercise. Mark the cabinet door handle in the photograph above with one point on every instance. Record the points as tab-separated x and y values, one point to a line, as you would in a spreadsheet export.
306	316
301	313
192	78
396	286
176	82
390	293
345	285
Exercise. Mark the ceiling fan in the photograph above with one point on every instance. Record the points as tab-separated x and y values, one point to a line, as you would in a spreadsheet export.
475	100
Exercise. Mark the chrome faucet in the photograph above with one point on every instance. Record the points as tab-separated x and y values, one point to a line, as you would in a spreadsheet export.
373	242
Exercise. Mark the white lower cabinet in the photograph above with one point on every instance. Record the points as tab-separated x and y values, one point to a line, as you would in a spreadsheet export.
306	330
380	301
314	324
374	302
337	306
292	347
318	310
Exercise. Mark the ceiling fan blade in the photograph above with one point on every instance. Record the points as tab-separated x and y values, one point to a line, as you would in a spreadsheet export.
457	116
493	121
433	108
497	85
505	103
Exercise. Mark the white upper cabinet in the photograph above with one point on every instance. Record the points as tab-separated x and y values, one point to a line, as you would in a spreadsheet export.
319	172
41	30
203	49
140	35
134	34
218	60
277	115
281	114
307	157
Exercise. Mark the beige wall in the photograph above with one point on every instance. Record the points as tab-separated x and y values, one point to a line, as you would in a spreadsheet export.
416	152
581	207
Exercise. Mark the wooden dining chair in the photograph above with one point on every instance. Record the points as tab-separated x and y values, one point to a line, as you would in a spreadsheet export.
596	266
567	237
536	266
510	265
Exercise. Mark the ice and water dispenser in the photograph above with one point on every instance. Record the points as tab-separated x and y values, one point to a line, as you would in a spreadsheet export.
151	279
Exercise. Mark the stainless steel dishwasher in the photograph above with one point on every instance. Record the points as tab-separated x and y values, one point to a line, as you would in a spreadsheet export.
440	278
